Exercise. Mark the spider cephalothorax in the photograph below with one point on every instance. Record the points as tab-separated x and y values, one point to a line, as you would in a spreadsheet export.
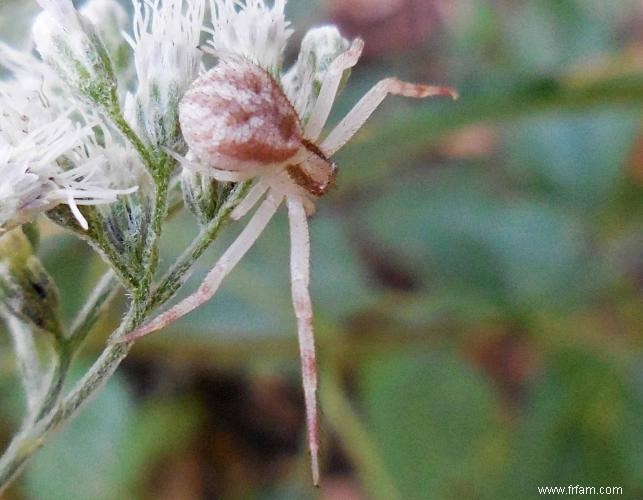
239	125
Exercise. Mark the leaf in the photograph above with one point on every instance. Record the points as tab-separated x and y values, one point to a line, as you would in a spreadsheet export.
549	34
158	429
581	157
582	427
459	236
84	460
433	420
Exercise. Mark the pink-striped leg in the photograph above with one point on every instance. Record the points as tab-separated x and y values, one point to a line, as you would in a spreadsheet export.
212	281
300	277
356	117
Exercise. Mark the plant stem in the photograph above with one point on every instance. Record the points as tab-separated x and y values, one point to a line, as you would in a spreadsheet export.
101	297
28	360
180	271
357	442
151	252
57	381
54	413
122	125
102	246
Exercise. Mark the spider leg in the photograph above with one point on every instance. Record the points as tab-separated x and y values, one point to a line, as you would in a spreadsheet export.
300	277
328	91
218	174
228	175
356	117
212	281
251	199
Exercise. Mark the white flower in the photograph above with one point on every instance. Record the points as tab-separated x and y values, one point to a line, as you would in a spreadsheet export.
166	37
251	29
48	166
29	81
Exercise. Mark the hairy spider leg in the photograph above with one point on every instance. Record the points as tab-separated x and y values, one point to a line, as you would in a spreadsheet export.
229	175
300	278
212	281
356	117
251	199
216	173
329	87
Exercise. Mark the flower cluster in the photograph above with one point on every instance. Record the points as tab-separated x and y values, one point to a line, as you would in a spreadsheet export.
51	144
245	119
103	114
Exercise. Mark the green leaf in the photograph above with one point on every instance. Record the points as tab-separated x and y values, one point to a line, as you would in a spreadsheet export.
581	157
433	419
460	236
84	460
582	427
157	429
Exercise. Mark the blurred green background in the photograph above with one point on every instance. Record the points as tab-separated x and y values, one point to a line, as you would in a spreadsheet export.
477	281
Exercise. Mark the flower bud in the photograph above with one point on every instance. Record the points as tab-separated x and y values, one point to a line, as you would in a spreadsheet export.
26	289
166	36
110	19
69	43
319	48
202	195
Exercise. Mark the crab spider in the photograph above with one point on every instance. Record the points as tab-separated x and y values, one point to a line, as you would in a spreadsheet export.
240	125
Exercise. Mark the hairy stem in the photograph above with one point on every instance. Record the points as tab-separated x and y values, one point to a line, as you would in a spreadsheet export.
178	274
99	300
56	382
55	412
125	129
151	252
28	360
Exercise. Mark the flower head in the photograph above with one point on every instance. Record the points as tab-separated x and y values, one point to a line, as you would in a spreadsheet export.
166	36
251	29
47	166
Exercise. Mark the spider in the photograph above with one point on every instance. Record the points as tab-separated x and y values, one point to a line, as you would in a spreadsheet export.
240	125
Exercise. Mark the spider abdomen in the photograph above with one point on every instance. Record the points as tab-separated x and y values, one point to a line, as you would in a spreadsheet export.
236	116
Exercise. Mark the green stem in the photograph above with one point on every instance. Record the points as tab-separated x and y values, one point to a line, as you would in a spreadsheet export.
27	442
145	154
151	252
99	300
58	377
357	442
29	364
180	271
101	245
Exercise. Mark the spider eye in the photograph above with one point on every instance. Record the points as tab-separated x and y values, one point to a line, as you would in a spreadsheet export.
236	116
